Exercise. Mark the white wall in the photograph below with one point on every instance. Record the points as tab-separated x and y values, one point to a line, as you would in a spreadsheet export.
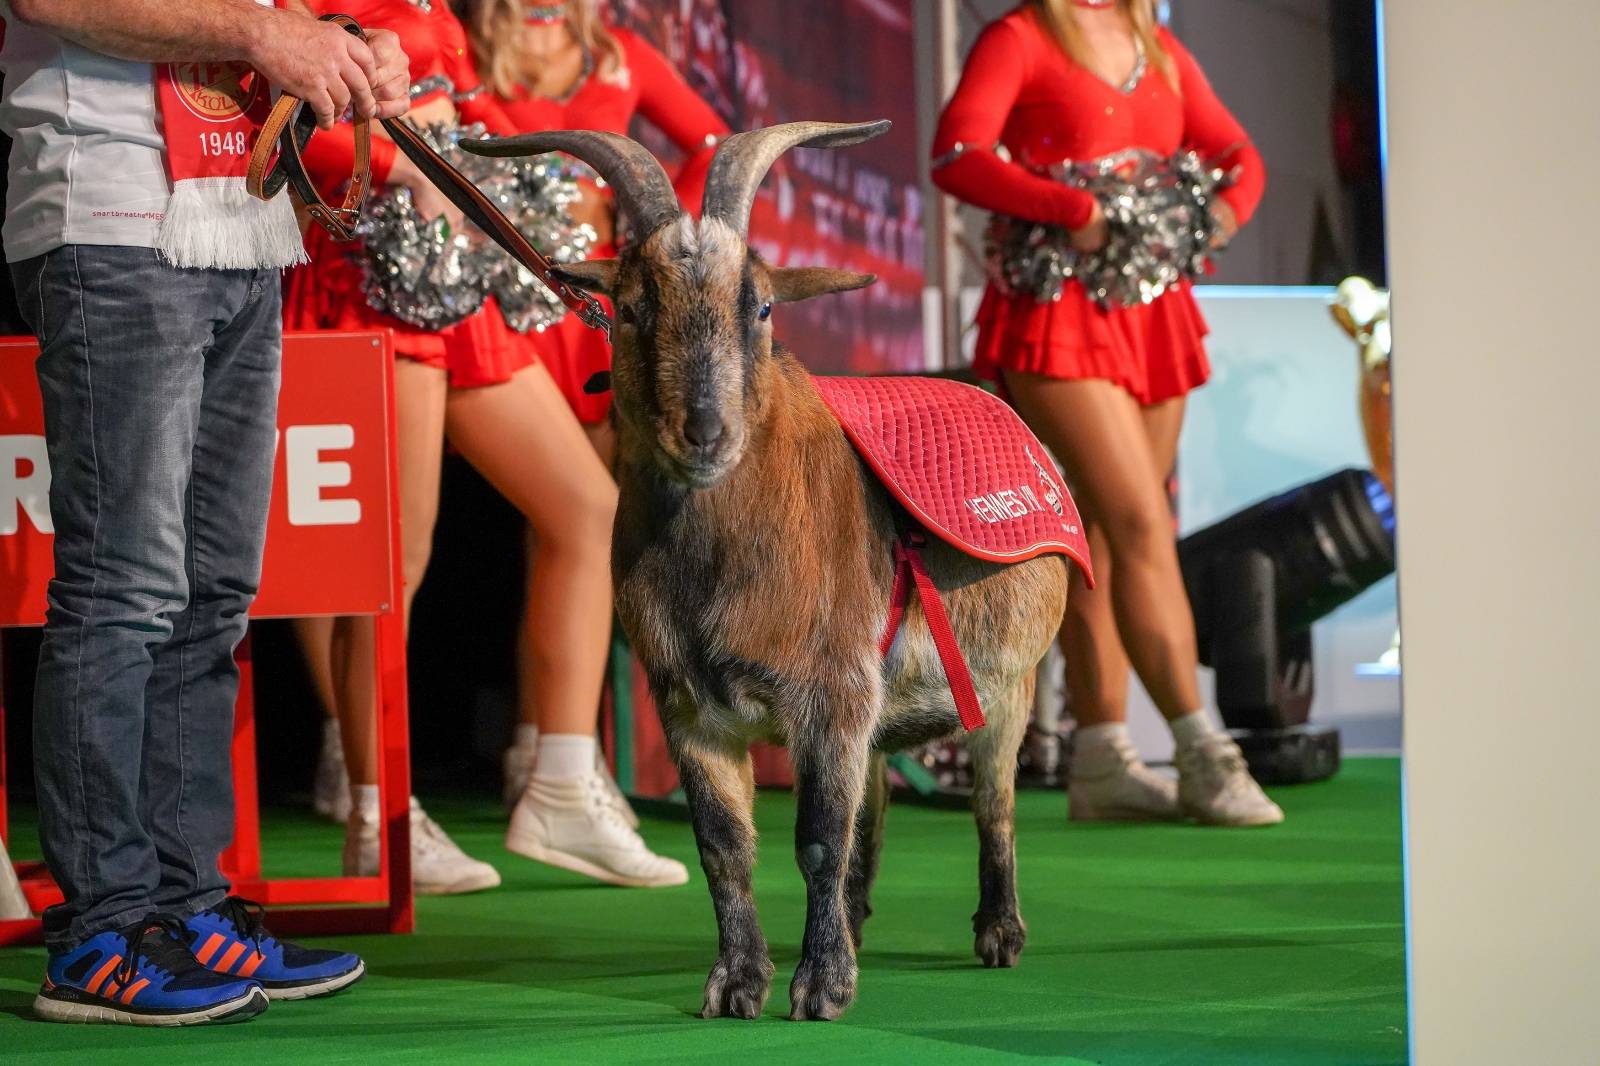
1494	143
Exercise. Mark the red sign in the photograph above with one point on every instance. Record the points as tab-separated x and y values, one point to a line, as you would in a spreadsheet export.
329	549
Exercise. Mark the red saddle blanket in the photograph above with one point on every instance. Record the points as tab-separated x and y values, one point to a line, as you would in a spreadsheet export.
971	473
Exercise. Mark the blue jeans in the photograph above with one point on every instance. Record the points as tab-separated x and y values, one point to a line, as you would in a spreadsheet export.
160	397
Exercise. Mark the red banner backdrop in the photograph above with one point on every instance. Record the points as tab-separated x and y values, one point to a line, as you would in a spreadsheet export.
761	62
328	544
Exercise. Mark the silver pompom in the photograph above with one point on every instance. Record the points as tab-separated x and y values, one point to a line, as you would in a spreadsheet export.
544	190
425	274
1159	231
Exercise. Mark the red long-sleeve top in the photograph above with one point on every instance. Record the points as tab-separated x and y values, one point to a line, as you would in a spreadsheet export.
1019	89
646	84
1022	91
435	43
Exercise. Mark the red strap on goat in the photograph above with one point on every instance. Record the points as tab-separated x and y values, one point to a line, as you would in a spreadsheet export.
910	572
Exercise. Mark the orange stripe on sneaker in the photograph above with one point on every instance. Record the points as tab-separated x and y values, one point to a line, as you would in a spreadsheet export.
209	948
249	965
134	989
229	957
101	974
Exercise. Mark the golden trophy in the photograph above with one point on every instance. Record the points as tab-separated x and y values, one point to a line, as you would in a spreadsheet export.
1363	310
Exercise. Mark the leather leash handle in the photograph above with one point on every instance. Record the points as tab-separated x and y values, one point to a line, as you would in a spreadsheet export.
483	213
289	128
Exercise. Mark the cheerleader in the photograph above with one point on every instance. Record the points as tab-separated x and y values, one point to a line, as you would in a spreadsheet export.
1081	80
479	384
559	66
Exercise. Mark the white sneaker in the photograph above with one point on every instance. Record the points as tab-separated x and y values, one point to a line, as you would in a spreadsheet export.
575	825
518	767
438	866
330	788
1215	786
1109	783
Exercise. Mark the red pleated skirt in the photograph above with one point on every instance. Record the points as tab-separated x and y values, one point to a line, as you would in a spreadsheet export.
1154	351
326	293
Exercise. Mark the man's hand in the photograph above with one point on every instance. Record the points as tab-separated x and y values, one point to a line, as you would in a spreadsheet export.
325	65
391	85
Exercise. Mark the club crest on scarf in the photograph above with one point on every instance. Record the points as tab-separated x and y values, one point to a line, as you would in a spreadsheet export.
218	92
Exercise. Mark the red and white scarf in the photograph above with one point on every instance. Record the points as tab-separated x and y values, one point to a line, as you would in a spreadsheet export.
211	114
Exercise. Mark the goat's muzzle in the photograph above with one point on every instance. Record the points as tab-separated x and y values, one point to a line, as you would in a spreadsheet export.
704	449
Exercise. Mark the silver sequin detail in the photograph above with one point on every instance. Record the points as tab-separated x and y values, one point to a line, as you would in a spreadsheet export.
469	94
433	83
1140	65
425	274
1160	228
960	149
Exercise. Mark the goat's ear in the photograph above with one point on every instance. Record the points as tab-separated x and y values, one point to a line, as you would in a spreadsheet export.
802	283
595	275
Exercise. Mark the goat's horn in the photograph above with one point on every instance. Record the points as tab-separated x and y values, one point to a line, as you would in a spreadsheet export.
743	160
644	193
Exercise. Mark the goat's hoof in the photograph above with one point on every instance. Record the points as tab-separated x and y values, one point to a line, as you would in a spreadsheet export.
737	987
822	989
1000	939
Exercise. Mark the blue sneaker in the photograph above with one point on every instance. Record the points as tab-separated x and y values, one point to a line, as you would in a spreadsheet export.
230	939
142	975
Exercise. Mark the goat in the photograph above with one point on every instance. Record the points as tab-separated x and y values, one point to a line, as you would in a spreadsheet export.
752	561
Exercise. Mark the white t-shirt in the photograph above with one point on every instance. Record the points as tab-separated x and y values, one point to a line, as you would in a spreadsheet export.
87	164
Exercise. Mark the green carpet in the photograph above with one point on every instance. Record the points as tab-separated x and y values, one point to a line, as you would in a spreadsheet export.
1148	945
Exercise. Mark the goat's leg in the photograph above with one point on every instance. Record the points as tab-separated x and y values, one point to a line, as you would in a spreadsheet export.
868	844
717	784
998	921
830	777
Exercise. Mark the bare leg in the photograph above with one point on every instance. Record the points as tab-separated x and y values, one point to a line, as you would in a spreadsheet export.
998	925
354	647
868	846
604	440
830	779
523	437
1097	663
1098	433
315	636
419	422
725	831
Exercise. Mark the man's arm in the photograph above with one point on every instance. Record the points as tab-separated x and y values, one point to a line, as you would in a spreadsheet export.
317	61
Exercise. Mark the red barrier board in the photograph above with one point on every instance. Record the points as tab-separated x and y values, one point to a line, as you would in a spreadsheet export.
328	538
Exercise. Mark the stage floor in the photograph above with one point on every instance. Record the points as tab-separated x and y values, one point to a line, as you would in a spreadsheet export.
1147	945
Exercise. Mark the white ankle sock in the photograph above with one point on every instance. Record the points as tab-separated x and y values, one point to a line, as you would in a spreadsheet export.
527	735
1106	735
564	756
364	801
1192	728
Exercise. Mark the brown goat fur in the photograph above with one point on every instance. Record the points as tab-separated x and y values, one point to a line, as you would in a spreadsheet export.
753	569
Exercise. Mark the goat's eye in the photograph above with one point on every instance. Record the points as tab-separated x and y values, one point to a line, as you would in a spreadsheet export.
625	314
765	312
